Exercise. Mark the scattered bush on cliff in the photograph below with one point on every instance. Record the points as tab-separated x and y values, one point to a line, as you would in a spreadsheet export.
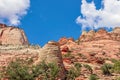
68	55
20	70
116	67
117	78
74	72
89	68
106	69
93	77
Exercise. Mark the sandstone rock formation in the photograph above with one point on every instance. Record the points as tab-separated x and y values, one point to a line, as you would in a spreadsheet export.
3	25
116	30
12	52
14	45
64	40
93	45
100	34
93	48
50	53
12	36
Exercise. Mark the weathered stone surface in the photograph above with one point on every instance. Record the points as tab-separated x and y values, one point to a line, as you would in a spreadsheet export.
12	35
12	52
94	49
100	35
116	30
64	40
3	25
65	49
51	53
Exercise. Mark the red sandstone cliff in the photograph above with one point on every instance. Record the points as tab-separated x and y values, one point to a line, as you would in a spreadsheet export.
14	45
12	35
92	48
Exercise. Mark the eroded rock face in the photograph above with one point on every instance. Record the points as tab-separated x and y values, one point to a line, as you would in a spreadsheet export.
100	35
116	30
17	47
87	36
3	25
12	52
12	35
93	45
64	40
93	48
51	53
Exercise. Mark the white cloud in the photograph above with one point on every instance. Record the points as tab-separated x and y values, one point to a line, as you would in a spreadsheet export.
11	11
108	16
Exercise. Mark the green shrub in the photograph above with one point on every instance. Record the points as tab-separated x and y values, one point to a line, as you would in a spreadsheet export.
93	77
78	66
53	71
68	55
74	72
118	78
81	55
116	67
18	70
89	68
106	69
113	60
21	70
40	70
46	71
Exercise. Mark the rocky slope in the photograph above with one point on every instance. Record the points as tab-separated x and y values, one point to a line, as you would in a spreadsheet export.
14	45
101	34
92	48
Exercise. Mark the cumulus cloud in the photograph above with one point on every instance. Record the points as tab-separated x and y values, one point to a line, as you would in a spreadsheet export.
108	16
11	11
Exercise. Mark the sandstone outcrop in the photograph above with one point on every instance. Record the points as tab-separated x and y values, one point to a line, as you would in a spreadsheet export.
100	35
51	53
93	48
64	40
12	36
3	25
14	45
12	52
116	30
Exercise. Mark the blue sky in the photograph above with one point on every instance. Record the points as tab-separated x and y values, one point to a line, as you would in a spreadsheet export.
51	20
45	20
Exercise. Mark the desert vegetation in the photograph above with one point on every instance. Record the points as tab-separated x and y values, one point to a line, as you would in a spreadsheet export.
23	70
88	58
